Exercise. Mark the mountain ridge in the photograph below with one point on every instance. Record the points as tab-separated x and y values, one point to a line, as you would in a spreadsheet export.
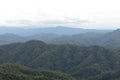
108	40
79	61
61	30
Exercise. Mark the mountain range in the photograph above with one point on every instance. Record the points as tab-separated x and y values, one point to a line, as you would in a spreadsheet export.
79	61
109	39
59	30
59	53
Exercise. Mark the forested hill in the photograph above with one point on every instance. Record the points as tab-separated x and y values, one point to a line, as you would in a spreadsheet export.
80	62
18	72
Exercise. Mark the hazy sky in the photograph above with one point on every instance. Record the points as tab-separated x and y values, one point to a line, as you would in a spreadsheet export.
79	13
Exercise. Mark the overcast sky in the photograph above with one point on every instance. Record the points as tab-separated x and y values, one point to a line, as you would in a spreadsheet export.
74	13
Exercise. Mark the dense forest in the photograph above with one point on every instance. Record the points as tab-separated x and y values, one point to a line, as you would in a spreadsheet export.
81	62
18	72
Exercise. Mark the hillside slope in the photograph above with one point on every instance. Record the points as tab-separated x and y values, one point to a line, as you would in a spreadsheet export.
76	60
18	72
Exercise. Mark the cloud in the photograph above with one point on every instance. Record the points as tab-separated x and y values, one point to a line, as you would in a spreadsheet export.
51	21
65	20
76	20
19	21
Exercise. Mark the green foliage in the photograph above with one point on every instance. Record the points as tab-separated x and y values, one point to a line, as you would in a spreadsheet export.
18	72
80	62
109	75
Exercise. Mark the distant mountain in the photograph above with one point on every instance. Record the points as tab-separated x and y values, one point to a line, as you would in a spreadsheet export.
109	39
10	38
79	39
81	62
60	30
43	36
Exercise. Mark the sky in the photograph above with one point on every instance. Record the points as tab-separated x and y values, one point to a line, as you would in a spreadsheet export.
98	14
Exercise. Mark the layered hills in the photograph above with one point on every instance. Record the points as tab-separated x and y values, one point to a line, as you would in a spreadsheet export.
108	40
78	61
